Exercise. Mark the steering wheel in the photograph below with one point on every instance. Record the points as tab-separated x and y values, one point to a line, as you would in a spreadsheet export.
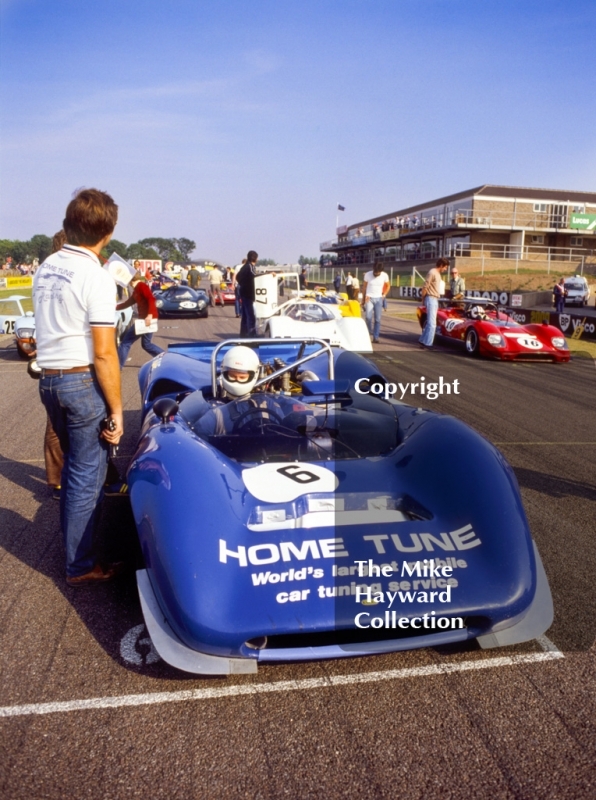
258	423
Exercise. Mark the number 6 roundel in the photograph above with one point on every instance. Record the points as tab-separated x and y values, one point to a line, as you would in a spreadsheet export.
280	483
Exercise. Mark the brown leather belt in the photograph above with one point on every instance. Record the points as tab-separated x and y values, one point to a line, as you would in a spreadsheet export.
46	372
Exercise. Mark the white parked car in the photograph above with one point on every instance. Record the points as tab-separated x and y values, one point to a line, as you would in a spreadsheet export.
578	291
302	317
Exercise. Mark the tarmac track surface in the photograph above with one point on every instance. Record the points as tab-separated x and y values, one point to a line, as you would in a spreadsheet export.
449	723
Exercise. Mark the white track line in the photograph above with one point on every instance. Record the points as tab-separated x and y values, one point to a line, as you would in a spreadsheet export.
545	443
154	698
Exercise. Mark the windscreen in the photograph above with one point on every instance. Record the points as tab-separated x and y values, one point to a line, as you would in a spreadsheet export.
274	427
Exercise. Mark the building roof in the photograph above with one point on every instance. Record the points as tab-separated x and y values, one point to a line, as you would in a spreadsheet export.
492	190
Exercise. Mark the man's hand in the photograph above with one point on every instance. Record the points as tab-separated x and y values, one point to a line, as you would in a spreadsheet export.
107	368
148	319
113	436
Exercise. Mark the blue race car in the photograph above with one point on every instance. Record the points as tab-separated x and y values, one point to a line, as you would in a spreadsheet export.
316	519
181	301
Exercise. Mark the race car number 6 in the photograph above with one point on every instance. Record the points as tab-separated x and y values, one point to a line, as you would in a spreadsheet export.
297	474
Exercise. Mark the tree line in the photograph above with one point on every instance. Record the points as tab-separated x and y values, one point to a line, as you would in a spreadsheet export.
178	250
40	246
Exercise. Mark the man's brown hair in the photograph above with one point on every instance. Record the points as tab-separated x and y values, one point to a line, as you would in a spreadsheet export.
442	262
90	216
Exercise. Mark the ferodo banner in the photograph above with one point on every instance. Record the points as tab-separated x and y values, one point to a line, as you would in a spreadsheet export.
502	298
410	291
576	326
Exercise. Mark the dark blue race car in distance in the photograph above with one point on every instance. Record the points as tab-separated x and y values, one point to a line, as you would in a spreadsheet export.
182	301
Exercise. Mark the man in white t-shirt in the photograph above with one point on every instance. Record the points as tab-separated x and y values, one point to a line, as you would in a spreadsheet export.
374	291
215	279
74	301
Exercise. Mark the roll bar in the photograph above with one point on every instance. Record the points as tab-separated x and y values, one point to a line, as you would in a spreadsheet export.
325	347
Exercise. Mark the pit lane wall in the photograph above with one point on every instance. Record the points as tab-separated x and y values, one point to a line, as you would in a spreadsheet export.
576	326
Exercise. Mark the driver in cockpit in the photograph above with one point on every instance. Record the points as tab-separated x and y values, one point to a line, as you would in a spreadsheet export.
239	374
477	312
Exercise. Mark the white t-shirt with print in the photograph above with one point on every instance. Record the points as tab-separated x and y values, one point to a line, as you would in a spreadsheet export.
375	283
71	294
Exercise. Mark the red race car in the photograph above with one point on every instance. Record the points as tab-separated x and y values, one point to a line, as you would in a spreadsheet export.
489	331
227	293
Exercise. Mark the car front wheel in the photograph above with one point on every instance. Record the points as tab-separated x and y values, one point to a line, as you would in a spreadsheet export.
472	343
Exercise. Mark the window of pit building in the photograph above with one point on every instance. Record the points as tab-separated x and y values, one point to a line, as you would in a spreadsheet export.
578	209
537	239
576	241
540	208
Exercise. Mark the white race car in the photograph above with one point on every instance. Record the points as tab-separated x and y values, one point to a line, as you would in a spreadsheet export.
23	326
301	317
11	309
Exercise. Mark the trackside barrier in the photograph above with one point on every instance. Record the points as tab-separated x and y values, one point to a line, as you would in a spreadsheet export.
577	326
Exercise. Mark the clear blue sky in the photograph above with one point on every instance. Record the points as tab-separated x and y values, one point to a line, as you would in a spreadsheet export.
241	124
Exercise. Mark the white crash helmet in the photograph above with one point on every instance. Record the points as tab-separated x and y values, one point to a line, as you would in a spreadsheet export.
243	359
477	312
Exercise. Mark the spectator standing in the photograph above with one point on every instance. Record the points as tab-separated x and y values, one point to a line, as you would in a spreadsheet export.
302	282
559	292
431	291
245	278
355	287
350	286
184	275
337	282
194	278
374	291
147	310
236	288
215	279
52	451
80	382
457	285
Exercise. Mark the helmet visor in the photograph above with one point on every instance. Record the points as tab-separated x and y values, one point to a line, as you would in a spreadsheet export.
238	376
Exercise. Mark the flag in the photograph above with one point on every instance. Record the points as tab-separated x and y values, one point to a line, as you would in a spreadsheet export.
340	208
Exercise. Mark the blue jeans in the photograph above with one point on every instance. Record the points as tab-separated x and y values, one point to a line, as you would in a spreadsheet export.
237	304
373	310
248	322
428	334
128	340
76	407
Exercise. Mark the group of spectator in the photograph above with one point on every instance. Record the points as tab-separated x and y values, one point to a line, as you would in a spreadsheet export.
406	223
